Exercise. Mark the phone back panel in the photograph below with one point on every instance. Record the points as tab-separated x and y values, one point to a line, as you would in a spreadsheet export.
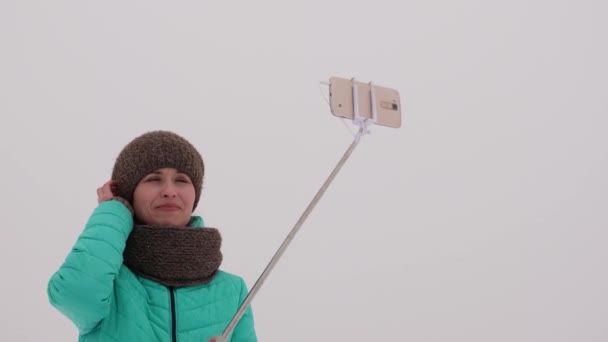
388	103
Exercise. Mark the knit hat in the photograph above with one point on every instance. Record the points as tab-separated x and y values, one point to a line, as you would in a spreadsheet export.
152	151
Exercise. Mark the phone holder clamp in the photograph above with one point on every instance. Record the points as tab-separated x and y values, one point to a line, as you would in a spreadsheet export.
364	124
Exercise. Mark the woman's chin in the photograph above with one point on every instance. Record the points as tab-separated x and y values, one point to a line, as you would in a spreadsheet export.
169	221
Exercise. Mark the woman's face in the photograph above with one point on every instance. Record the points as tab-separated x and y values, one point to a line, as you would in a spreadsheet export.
164	197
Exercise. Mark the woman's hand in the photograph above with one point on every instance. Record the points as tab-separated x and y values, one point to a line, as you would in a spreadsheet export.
106	191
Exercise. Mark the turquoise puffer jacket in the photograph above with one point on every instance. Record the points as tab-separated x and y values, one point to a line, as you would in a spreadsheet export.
108	302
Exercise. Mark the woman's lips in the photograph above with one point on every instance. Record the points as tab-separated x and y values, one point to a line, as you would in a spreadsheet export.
169	207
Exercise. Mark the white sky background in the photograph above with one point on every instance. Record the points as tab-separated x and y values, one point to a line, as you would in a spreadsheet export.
482	219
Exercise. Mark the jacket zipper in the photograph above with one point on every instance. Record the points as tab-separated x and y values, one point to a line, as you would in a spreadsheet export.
173	320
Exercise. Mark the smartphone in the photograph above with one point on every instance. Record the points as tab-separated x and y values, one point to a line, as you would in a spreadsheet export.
388	105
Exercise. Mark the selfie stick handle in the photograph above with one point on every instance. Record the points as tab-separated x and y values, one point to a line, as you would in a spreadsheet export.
364	125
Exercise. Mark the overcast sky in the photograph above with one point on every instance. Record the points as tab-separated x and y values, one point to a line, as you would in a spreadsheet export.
483	218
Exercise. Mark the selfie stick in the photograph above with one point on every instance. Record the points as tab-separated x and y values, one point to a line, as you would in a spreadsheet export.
364	125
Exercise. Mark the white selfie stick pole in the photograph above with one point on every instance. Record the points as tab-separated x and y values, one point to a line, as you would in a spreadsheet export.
364	125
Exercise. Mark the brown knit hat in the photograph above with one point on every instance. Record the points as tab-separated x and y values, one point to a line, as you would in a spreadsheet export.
152	151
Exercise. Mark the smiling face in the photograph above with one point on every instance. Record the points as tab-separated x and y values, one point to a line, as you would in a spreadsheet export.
164	197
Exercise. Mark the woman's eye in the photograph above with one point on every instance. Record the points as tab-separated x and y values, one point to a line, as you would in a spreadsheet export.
153	179
183	180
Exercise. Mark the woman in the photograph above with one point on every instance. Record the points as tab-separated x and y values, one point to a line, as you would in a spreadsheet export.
144	268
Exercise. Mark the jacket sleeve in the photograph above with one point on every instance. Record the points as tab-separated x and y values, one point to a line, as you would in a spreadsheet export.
82	288
244	330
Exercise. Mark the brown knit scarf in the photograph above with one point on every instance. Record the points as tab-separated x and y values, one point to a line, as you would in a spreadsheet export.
174	256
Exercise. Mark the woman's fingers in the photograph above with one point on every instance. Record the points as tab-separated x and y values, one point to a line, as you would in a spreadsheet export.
105	192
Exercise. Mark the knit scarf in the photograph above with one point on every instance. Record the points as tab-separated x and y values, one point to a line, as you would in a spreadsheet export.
174	256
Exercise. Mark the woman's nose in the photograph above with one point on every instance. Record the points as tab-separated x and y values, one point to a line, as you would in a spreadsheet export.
168	191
